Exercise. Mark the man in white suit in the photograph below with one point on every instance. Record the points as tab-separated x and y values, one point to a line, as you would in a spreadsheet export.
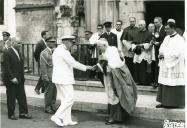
63	77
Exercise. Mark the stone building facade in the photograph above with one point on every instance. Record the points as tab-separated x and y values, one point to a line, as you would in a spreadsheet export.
33	16
7	17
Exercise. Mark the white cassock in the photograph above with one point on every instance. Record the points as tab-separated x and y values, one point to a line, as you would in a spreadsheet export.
63	77
172	67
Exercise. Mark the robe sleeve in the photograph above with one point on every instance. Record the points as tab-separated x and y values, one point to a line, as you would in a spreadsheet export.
172	58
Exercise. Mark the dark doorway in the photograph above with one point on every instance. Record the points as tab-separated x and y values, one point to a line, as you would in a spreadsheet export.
166	10
1	12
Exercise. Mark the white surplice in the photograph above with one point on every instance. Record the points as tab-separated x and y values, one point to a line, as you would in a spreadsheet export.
172	67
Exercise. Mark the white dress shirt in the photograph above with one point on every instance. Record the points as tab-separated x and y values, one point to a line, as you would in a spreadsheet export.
63	64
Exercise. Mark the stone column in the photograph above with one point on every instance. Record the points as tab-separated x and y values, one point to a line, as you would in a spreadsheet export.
64	22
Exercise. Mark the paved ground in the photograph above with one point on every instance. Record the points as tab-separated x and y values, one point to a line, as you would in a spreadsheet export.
145	106
85	119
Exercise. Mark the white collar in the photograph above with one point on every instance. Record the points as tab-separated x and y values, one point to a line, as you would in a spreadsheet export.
160	28
44	41
49	49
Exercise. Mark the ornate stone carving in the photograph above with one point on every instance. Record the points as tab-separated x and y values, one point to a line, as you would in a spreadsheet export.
64	11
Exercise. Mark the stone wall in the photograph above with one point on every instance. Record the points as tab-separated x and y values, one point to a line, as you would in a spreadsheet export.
9	18
34	16
130	8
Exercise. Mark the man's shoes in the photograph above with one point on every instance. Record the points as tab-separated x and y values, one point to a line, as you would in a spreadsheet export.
160	106
57	121
72	123
13	117
54	109
152	84
155	85
109	122
37	91
25	116
50	111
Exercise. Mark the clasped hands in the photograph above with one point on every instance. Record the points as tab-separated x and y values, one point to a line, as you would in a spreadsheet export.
14	81
160	56
92	68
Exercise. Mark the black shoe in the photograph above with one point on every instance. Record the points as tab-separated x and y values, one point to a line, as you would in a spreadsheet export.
13	117
160	106
37	91
49	111
152	84
25	116
155	85
54	109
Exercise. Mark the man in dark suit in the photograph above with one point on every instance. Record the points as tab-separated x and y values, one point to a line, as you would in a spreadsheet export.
40	46
108	35
3	46
13	78
159	35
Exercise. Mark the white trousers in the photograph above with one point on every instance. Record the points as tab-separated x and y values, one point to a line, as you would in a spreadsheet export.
66	94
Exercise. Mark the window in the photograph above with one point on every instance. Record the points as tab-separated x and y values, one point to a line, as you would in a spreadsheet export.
1	12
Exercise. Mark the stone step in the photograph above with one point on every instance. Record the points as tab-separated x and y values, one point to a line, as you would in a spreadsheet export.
94	86
97	102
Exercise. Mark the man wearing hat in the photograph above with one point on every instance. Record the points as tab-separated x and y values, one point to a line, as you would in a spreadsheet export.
46	73
63	77
4	44
108	35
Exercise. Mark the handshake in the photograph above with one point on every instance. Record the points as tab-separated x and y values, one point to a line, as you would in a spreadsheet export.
92	68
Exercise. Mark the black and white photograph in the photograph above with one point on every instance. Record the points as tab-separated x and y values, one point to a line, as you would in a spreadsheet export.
93	63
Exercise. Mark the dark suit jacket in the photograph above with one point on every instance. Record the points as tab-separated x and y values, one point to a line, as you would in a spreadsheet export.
12	67
112	38
160	39
40	46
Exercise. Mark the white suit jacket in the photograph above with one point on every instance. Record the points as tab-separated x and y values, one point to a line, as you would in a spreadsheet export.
63	64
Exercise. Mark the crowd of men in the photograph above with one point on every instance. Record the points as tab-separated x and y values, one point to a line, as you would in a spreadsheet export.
127	57
137	44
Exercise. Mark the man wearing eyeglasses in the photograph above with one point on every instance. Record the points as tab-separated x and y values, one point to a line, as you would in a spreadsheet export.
118	31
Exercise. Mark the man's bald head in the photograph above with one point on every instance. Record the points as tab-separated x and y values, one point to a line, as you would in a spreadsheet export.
141	25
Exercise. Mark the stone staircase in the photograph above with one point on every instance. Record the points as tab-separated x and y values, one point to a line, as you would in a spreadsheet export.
90	96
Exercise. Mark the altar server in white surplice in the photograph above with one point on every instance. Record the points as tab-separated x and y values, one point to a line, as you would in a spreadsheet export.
171	92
